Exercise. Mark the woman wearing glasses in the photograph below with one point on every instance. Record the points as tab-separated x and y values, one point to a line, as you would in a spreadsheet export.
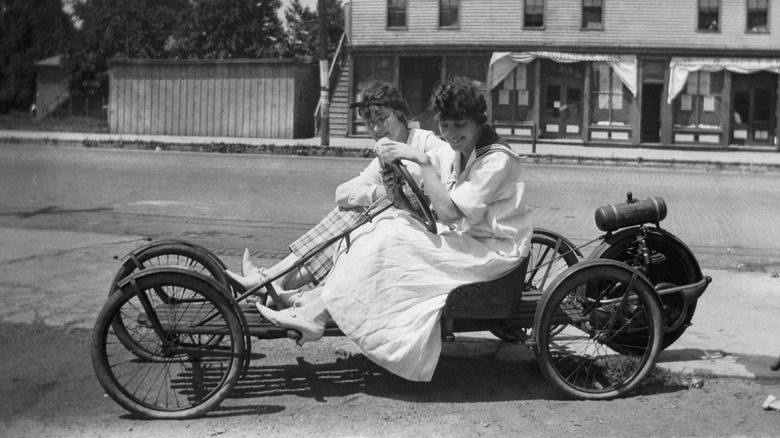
385	114
388	291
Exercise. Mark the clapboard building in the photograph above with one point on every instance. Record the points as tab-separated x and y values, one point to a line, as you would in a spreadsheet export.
628	72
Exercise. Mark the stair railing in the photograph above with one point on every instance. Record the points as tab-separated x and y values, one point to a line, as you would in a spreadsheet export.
337	60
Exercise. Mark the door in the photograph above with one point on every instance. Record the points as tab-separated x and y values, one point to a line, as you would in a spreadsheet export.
418	75
760	120
562	112
651	113
561	101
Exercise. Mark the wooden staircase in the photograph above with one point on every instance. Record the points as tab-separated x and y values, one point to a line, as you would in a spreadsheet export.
339	103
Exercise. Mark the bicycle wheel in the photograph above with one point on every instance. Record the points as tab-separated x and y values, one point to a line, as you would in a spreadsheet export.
546	252
602	305
187	373
670	266
163	254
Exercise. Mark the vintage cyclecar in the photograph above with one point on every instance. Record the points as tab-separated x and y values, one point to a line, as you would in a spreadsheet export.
175	335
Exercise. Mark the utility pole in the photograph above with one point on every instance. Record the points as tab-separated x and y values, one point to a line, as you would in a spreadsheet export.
324	80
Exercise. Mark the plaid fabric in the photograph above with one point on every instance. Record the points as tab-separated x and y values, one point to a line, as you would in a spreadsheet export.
334	223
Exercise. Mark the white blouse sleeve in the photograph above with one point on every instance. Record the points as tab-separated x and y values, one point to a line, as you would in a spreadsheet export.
485	183
360	190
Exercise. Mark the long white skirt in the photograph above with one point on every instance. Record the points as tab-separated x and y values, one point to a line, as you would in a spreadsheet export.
387	292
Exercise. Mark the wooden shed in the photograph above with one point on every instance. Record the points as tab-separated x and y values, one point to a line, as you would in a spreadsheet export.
266	98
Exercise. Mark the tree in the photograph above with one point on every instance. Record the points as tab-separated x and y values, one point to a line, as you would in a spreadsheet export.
31	30
118	29
303	29
220	29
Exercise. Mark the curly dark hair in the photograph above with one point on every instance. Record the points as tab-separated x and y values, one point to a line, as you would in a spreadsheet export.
380	93
458	99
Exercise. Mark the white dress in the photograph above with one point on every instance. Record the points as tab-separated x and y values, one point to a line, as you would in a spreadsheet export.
387	292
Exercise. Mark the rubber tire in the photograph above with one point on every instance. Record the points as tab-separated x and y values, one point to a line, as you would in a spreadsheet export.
201	287
184	253
565	251
676	271
576	279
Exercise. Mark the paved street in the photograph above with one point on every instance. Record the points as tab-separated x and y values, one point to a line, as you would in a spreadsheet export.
68	214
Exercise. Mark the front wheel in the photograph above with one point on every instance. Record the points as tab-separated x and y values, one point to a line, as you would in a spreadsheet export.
598	330
193	339
166	253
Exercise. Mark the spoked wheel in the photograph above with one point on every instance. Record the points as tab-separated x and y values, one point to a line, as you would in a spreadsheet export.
589	325
183	372
155	255
549	257
670	266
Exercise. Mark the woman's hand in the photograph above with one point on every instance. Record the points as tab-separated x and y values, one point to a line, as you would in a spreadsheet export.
389	150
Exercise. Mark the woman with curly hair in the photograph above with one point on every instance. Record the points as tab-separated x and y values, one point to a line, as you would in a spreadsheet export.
387	292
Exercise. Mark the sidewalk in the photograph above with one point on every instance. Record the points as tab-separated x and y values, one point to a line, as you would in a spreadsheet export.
740	159
61	279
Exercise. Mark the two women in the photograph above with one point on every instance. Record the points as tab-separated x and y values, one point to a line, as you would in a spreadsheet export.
385	114
387	292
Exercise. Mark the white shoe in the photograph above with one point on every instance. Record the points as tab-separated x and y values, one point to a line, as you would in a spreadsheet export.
247	267
293	319
249	281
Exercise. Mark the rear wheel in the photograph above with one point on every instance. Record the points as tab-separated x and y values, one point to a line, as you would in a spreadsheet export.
598	330
192	342
669	267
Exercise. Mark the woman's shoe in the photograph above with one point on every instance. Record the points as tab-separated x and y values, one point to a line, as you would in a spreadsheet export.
246	282
292	319
247	267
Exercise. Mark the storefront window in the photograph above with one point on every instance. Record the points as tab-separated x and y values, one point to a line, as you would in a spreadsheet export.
367	70
698	106
611	101
513	97
472	67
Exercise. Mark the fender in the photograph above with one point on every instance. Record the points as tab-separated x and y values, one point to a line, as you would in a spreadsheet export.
163	242
615	242
564	241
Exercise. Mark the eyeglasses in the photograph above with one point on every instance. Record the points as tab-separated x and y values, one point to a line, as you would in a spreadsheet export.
381	120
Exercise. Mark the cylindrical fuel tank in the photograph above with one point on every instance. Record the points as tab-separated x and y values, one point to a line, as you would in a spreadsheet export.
616	216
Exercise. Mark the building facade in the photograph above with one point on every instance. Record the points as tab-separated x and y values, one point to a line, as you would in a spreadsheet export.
628	72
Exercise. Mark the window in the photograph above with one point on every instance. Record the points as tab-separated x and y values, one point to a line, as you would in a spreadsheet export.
709	11
396	13
533	13
611	99
757	13
448	13
592	13
699	104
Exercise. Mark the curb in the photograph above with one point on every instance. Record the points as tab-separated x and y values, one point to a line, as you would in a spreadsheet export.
303	149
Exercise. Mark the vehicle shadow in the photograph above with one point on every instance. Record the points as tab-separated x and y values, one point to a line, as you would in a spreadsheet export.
457	379
476	372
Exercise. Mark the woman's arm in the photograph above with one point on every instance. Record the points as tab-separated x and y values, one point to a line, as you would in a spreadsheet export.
362	190
389	151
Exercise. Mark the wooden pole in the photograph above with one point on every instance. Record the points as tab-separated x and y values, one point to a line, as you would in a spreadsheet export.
324	80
